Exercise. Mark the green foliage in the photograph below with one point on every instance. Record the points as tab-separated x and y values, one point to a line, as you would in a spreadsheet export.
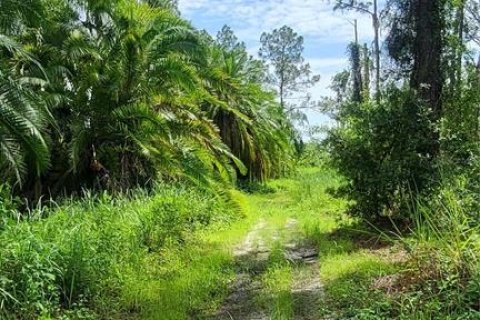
83	255
411	160
383	152
315	154
253	126
8	205
340	84
121	93
441	278
446	246
23	117
282	49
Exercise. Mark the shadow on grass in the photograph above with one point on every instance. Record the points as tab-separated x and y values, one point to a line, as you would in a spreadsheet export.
307	304
346	240
188	281
352	259
253	263
350	294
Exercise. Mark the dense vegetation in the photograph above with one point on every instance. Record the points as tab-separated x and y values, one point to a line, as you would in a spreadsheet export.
104	258
125	131
122	130
422	130
114	94
409	151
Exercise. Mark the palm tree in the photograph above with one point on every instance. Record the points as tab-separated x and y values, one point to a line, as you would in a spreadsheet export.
250	121
136	93
134	105
23	117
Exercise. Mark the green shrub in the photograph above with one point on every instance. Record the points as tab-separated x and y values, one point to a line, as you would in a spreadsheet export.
384	153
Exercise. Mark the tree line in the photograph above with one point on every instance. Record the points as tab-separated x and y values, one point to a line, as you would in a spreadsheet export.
113	94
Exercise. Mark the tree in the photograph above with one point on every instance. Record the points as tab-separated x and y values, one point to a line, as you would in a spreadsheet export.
282	50
472	20
227	40
427	74
382	152
366	73
142	114
355	60
332	106
389	151
251	123
370	8
23	115
23	120
120	93
416	43
340	85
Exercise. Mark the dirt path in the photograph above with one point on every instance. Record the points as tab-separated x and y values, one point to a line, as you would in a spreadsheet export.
307	290
250	255
253	259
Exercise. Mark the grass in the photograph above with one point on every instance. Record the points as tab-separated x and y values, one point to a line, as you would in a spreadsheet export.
189	280
120	258
170	256
348	267
277	296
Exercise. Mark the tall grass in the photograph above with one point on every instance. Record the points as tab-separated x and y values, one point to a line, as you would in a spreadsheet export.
446	257
87	259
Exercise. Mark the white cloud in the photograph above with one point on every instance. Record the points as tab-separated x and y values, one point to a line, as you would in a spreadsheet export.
324	63
327	33
311	18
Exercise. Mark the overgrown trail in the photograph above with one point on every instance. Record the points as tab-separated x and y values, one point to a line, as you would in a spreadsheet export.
277	268
296	262
288	258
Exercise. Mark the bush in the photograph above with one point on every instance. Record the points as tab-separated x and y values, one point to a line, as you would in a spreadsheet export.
384	152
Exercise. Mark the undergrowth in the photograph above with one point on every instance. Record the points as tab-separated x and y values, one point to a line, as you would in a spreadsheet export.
106	257
431	272
168	256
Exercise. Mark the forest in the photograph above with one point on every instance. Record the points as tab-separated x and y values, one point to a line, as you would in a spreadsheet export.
151	170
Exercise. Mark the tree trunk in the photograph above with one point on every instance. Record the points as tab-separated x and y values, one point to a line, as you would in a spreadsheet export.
477	124
376	27
455	68
427	78
281	90
356	72
366	73
356	67
461	27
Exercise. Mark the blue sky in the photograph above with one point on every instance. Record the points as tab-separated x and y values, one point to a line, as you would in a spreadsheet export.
326	33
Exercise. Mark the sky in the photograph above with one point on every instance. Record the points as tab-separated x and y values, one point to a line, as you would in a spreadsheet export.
326	33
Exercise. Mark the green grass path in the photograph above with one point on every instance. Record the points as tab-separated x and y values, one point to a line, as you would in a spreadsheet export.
287	259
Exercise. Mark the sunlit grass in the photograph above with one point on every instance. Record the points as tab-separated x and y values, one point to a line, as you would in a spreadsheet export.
146	258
